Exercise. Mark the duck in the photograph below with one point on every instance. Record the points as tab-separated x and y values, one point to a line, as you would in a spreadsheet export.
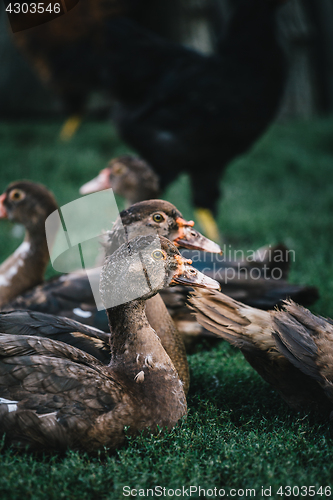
29	204
129	176
132	177
55	396
254	333
71	295
68	292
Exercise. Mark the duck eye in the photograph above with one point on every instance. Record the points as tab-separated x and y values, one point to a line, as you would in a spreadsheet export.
118	169
158	255
16	195
158	218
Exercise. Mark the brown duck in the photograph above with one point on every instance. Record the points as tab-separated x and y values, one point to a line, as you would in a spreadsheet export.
54	396
29	204
149	217
132	178
129	176
254	332
71	296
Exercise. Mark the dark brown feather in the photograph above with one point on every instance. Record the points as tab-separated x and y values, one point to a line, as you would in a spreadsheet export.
251	330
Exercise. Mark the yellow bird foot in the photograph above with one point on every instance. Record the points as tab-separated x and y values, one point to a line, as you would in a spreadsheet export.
207	222
70	127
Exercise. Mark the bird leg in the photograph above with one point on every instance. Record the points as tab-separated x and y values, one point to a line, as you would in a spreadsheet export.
208	224
70	127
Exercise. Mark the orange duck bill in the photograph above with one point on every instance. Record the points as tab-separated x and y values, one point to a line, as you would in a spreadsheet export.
190	238
3	211
188	275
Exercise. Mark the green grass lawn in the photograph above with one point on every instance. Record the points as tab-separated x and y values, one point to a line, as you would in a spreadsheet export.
238	433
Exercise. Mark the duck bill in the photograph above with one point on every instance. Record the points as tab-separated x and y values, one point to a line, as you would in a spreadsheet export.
190	238
3	211
189	276
101	182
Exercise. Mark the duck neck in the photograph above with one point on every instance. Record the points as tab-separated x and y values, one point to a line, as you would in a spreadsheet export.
133	341
25	268
145	371
39	251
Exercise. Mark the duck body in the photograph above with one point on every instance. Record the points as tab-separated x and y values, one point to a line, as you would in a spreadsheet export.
252	331
306	340
54	396
83	404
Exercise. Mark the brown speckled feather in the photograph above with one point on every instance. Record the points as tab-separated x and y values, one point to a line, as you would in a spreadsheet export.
251	330
307	342
88	339
48	377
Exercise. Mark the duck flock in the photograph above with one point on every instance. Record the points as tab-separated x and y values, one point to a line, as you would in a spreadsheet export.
73	375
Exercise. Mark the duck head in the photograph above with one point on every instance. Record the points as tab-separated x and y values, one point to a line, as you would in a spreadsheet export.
27	203
143	267
161	218
128	176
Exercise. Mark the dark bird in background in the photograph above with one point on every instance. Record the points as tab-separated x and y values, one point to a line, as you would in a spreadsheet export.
181	110
184	111
291	349
66	53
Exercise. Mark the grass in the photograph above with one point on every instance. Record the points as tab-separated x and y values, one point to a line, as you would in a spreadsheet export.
238	434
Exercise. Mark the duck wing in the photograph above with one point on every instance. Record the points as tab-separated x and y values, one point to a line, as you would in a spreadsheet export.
245	327
52	394
57	294
306	341
251	330
71	332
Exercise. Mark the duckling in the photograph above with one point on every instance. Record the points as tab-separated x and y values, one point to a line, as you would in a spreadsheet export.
54	396
252	331
129	176
29	204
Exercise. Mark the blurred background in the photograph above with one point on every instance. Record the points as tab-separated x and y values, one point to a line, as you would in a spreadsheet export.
278	191
305	30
